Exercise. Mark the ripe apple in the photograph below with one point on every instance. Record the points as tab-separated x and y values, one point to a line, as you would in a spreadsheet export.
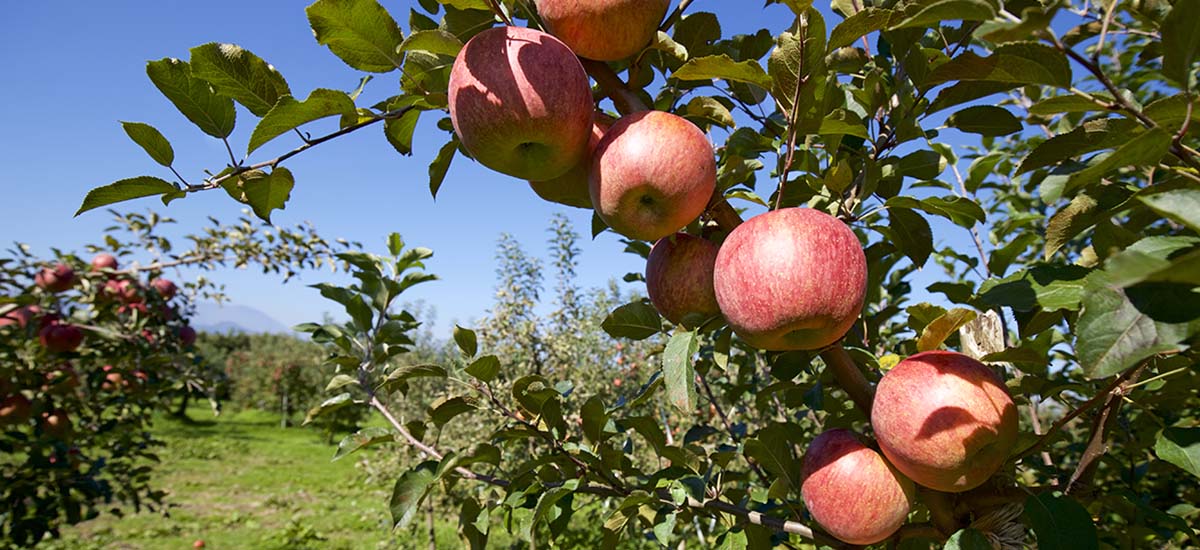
19	316
791	279
521	103
571	188
57	279
60	337
61	380
165	287
104	261
56	424
198	544
604	30
852	491
679	278
652	174
187	336
945	420
15	409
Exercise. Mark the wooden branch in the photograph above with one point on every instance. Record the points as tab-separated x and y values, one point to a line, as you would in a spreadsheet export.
1058	425
1098	443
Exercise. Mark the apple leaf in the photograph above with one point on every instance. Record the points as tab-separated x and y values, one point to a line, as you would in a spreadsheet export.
724	67
212	113
1113	334
332	404
1181	447
968	539
857	26
635	320
236	72
399	131
436	41
466	340
1180	41
288	114
485	368
985	120
936	332
441	165
1145	149
911	234
266	192
360	32
925	14
970	90
1060	523
1182	205
410	489
679	371
444	410
362	439
151	140
123	190
1013	63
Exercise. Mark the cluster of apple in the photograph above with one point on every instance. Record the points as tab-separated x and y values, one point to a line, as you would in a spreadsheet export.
790	279
62	339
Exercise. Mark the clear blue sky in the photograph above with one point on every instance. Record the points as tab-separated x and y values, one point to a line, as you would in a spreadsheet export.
72	71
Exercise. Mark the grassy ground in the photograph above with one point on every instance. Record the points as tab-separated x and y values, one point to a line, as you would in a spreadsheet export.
240	481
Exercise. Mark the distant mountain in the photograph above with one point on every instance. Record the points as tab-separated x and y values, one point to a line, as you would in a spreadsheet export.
211	317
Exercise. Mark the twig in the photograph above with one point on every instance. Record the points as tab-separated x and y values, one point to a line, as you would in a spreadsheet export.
1049	435
795	114
625	99
1098	444
675	15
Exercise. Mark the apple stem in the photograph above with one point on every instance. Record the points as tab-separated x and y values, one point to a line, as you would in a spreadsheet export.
623	97
941	510
849	376
722	212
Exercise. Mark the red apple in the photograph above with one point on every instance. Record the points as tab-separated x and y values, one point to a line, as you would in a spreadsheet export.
791	279
61	380
521	103
57	279
945	420
104	261
164	287
19	316
571	188
60	337
187	336
852	491
56	424
198	544
604	30
679	279
652	174
15	409
130	308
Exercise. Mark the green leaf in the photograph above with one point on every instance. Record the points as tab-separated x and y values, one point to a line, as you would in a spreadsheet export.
937	331
798	61
360	32
266	192
1069	103
1181	447
635	320
444	410
932	13
123	190
968	539
1060	523
960	210
711	110
923	165
151	140
1145	149
679	370
985	120
340	381
1014	63
1181	41
435	41
724	67
595	418
697	31
485	368
1049	287
911	234
400	376
1086	209
963	92
1003	256
236	72
980	169
1181	205
288	114
1113	335
857	26
773	452
1105	133
466	340
410	489
362	439
441	165
212	113
332	404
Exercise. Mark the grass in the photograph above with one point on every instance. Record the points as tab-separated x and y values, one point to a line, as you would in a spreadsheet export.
241	481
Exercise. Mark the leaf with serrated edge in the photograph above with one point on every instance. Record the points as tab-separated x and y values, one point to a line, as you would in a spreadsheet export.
360	32
1181	447
288	114
939	329
212	113
123	190
679	371
235	72
1060	523
151	140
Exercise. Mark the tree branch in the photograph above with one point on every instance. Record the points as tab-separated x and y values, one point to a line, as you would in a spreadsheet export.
1058	425
675	16
1098	444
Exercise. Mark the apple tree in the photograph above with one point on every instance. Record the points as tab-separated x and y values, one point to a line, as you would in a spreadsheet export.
91	349
960	309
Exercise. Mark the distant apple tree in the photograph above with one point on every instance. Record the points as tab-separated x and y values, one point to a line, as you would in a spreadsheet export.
1030	166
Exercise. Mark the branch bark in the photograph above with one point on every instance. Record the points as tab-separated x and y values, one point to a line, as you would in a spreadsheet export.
1098	443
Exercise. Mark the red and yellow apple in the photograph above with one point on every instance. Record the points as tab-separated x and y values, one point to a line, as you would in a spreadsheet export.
15	409
852	491
791	279
520	103
604	30
60	337
164	287
104	261
59	278
945	420
652	174
679	278
56	424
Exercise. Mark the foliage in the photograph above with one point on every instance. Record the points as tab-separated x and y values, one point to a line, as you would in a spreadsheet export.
75	418
1055	164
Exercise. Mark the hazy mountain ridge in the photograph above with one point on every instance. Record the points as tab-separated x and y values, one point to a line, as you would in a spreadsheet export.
211	317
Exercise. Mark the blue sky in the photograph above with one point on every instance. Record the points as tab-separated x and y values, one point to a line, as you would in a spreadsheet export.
72	71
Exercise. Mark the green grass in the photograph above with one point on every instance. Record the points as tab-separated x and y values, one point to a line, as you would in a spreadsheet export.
241	481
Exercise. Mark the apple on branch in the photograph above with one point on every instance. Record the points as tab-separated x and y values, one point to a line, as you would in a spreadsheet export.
520	103
679	279
791	279
571	188
604	30
852	491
